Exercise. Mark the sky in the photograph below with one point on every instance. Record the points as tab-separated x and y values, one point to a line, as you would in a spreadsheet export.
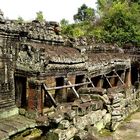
53	10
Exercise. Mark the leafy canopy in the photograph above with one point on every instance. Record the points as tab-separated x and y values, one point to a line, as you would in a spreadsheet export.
115	21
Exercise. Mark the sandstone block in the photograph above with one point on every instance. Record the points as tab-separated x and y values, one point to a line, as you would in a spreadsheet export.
99	125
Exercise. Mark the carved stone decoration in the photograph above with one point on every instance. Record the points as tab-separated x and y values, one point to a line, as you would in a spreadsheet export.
29	59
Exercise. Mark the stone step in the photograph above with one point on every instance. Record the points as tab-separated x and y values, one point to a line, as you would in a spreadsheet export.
14	124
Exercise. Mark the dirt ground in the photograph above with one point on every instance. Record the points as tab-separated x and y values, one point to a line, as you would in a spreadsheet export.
128	130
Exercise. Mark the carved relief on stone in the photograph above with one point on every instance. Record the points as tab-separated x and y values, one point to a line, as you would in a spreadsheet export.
4	87
30	58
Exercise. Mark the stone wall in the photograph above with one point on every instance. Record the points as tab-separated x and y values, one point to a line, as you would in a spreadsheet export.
7	90
34	52
95	110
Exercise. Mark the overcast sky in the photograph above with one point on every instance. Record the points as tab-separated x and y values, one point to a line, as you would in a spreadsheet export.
53	10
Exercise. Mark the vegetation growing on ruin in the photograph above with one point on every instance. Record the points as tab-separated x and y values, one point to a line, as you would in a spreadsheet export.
115	21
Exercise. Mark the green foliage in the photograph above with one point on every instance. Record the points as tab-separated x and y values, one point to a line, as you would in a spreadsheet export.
64	22
72	30
39	16
20	20
84	14
120	23
117	22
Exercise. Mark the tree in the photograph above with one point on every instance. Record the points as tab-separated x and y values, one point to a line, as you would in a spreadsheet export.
118	22
39	16
84	14
121	24
64	22
20	20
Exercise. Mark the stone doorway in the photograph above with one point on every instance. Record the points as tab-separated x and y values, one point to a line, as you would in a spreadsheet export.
79	79
59	93
20	92
134	73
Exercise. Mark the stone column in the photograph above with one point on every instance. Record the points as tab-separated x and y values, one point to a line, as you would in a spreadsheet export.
128	77
35	103
112	80
64	91
100	82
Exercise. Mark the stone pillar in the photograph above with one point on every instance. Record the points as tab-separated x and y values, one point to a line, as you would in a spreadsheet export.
64	91
128	77
35	103
71	78
112	80
50	82
100	82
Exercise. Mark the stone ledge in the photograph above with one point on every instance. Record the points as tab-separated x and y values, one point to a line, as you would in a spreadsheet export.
4	113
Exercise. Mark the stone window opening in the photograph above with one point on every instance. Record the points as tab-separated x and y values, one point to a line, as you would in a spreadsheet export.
95	81
79	79
59	92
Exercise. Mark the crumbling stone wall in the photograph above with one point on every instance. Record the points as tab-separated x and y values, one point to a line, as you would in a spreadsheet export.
35	51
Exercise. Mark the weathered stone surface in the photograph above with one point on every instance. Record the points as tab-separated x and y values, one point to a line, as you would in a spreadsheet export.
14	124
80	122
71	132
3	135
90	137
64	124
56	117
115	125
99	125
107	118
80	135
94	90
65	134
35	51
116	105
35	134
91	118
117	118
22	111
85	98
70	114
42	120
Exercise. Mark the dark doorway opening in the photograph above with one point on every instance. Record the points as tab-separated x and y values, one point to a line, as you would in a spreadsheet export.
59	92
20	91
134	73
79	79
95	80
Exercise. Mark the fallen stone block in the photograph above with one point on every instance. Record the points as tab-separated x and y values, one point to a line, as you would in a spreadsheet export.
56	117
70	114
107	118
64	124
80	135
99	125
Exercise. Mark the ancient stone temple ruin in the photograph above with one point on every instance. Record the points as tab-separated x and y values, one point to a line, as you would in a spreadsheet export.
69	86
